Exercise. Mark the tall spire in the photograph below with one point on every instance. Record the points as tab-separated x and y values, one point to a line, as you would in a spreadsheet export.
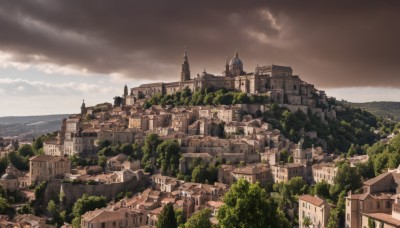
185	70
237	54
83	107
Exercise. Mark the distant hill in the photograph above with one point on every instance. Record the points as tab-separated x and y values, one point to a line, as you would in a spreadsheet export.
27	127
381	108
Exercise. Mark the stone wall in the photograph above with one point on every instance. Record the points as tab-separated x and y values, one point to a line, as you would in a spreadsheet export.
72	192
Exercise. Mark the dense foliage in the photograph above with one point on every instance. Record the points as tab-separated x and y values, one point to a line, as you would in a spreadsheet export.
351	126
168	155
383	156
167	219
5	207
207	96
84	204
200	171
381	108
200	219
149	151
287	197
248	205
133	151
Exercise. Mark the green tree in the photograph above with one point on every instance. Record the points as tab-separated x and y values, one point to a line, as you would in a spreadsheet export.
150	147
347	179
26	150
168	155
242	98
180	216
5	207
84	204
21	163
103	144
333	221
3	164
352	151
137	151
52	208
297	186
307	222
284	156
247	205
167	219
102	161
37	144
199	174
25	209
322	189
200	219
127	149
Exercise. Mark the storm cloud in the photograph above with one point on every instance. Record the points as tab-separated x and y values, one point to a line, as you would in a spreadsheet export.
328	43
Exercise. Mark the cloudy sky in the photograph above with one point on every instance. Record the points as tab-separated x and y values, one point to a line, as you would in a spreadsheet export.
53	54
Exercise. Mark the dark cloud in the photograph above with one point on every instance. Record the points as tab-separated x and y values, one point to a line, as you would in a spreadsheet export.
329	43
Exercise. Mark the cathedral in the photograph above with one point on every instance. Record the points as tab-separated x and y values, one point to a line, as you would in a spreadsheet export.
278	82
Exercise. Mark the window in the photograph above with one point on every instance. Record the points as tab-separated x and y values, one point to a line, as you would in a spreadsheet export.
387	204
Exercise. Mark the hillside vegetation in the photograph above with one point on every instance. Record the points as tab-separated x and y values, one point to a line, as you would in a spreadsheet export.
352	126
381	108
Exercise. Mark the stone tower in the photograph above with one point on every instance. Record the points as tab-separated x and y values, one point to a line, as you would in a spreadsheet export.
83	108
125	91
125	95
227	72
185	71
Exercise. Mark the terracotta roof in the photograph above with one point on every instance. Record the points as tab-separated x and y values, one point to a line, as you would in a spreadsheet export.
156	211
46	158
386	218
376	179
215	204
357	196
249	170
312	199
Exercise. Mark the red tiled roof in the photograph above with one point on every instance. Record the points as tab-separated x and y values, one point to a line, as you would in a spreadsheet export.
312	199
386	218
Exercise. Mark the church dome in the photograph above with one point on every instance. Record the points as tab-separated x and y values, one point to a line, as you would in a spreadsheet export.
235	61
8	176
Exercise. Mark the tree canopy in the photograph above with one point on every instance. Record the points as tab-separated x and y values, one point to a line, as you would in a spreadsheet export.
200	219
167	219
168	154
247	205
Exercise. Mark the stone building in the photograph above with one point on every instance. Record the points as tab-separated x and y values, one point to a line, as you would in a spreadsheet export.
376	200
324	171
43	167
314	208
278	82
285	172
109	218
9	180
254	173
389	220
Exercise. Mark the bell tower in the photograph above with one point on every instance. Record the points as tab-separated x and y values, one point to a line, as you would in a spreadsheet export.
185	71
83	108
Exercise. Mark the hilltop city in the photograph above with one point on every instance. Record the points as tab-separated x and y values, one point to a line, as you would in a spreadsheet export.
217	150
